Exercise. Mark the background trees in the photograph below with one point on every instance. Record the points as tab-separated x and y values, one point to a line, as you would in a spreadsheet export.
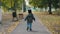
45	4
11	4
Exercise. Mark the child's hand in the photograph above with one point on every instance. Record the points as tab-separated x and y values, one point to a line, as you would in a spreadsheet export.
34	20
25	20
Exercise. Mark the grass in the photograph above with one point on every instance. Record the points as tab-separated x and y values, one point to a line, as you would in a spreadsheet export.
6	18
49	21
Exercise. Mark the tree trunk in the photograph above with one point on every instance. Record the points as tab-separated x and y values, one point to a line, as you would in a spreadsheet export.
24	6
49	4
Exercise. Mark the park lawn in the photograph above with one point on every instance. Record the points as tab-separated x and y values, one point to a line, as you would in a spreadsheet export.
50	21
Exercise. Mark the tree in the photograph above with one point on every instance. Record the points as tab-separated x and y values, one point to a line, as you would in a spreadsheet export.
56	4
49	5
24	6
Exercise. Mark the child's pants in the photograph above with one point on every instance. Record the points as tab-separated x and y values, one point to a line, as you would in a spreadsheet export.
29	25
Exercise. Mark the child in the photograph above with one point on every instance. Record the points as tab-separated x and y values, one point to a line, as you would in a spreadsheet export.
29	19
14	15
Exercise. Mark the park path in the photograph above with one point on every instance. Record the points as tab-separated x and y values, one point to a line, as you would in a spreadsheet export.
38	28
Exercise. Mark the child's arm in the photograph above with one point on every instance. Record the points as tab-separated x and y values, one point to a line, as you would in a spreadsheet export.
26	18
33	18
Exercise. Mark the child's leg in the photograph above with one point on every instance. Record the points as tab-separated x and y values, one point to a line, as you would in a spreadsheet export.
30	26
27	26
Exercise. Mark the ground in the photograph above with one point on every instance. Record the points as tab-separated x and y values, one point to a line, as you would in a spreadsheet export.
44	24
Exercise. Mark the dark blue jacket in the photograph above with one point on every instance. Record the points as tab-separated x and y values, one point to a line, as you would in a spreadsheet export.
31	19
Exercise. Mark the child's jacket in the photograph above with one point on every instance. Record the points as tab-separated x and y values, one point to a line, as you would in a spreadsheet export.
30	18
